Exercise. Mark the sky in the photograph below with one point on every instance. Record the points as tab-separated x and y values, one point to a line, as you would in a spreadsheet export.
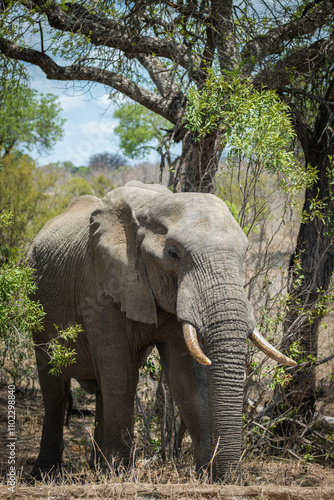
89	126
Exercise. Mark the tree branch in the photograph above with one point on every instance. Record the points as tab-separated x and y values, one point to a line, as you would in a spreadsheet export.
159	74
190	9
74	18
302	128
162	106
299	62
273	42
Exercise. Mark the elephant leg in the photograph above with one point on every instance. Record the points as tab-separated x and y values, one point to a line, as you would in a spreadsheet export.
118	383
188	385
95	458
55	391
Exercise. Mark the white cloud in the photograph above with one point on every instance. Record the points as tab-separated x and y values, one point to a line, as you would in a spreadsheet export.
83	139
69	103
88	138
88	113
98	129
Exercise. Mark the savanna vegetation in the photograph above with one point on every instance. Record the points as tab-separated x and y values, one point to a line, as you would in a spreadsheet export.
250	79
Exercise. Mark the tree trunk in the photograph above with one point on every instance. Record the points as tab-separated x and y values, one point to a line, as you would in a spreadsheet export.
198	164
312	263
311	268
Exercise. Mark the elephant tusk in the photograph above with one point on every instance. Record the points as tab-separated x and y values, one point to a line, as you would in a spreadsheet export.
190	338
269	350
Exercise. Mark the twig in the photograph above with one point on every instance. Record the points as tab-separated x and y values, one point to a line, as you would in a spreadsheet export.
162	393
304	426
306	364
215	453
147	428
296	456
325	360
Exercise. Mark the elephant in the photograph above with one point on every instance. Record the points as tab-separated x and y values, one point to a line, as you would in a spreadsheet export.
146	267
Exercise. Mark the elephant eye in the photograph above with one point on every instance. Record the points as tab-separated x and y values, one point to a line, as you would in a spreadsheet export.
171	252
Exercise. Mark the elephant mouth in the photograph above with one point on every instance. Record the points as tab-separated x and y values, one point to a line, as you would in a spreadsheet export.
191	340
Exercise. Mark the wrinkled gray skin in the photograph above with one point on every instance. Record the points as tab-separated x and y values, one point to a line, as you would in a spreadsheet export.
129	268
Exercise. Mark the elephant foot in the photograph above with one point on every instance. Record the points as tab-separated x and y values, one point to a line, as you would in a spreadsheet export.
114	466
233	476
44	474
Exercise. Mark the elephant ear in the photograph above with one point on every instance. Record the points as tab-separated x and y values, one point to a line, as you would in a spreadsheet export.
113	233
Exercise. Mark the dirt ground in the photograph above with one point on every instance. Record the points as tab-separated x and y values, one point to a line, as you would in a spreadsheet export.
150	478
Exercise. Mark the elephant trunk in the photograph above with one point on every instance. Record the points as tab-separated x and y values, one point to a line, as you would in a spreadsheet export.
226	348
222	317
217	319
226	376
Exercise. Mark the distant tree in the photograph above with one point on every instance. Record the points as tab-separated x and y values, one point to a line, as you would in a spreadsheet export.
75	187
68	165
140	131
101	185
138	127
81	170
28	119
105	161
25	192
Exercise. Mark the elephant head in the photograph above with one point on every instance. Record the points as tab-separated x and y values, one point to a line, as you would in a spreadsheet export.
183	254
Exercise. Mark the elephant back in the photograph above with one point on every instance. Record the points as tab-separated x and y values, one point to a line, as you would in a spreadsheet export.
59	255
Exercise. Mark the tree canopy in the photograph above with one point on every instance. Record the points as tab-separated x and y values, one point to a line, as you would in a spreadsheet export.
28	119
153	53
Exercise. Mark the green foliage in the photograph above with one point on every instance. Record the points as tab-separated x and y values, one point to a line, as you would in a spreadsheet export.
101	185
62	356
74	187
295	350
280	378
34	195
6	220
81	170
255	126
152	365
235	212
78	186
19	315
228	190
308	458
28	120
137	127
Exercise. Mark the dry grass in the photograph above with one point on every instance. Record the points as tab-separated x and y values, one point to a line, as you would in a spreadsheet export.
150	477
